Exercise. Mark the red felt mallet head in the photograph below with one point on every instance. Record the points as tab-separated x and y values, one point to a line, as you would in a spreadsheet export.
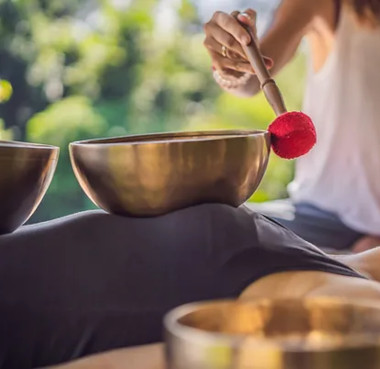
292	135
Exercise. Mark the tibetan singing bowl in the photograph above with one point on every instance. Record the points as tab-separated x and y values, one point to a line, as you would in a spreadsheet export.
274	334
26	171
154	174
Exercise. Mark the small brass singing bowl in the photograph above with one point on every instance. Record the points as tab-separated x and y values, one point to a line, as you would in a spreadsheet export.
26	171
274	334
149	175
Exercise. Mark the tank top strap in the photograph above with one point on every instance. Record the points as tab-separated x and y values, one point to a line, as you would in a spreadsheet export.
345	22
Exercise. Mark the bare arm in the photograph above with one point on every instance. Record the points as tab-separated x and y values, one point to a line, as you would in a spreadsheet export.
295	285
292	21
142	357
366	263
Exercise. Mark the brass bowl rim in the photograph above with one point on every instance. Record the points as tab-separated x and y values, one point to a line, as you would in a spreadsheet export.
9	149
10	157
177	136
181	331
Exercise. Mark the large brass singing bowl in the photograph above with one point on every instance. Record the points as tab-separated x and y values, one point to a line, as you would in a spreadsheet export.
267	334
154	174
26	171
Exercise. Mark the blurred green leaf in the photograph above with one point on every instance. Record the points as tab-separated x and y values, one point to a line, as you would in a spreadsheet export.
5	90
67	120
5	134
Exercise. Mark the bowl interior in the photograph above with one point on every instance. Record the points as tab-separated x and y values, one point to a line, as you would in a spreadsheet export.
25	151
292	324
171	137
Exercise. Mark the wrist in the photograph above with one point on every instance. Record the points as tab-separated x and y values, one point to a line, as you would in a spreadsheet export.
231	81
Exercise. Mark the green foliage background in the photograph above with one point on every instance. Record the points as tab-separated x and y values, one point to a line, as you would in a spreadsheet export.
90	69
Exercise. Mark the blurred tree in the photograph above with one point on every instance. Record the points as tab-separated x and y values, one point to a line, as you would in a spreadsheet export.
93	68
65	121
6	91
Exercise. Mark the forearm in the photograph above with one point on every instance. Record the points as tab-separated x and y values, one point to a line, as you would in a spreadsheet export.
366	263
305	284
283	37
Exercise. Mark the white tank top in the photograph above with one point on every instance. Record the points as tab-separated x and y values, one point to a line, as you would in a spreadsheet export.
342	172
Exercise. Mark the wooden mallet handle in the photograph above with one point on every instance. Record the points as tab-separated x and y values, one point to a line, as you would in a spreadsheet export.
268	85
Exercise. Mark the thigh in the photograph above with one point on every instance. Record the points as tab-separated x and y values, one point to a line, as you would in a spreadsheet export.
322	228
92	282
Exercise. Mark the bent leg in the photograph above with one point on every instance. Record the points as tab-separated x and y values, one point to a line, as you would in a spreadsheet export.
92	282
319	227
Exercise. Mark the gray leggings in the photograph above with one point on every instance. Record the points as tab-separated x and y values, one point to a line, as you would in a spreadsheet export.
318	226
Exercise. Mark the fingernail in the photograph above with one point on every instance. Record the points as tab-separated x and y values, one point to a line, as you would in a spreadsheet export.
268	61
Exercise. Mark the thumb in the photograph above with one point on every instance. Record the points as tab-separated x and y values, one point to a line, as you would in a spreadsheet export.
248	18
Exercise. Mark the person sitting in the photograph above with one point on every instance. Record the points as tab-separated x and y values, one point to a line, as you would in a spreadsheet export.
335	197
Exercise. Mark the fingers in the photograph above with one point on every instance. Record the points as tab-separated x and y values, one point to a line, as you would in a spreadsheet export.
212	44
268	62
248	17
224	36
235	13
217	37
230	25
225	30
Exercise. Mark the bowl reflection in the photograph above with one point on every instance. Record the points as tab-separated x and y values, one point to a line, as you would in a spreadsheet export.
26	171
154	174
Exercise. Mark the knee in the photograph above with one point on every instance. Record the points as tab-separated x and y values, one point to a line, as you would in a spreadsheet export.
217	212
